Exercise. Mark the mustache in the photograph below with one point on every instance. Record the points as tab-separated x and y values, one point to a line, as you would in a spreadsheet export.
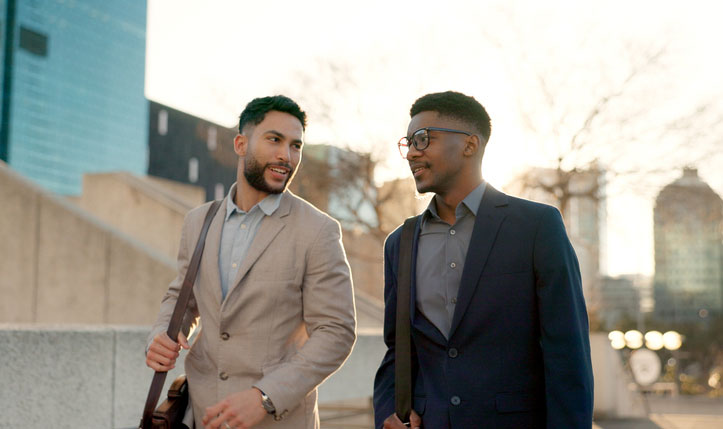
413	165
280	164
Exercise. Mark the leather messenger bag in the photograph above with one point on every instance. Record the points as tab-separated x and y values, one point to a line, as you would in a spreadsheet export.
169	414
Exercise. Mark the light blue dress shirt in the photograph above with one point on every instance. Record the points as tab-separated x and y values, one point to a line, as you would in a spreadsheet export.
239	230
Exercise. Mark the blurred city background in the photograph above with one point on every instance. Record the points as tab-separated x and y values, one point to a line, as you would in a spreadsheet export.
118	117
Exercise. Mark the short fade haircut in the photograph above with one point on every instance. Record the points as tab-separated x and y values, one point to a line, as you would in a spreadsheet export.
256	110
458	106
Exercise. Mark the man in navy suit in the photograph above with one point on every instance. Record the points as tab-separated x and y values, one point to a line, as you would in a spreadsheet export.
499	328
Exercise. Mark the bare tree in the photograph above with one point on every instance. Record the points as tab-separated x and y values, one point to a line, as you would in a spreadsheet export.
344	174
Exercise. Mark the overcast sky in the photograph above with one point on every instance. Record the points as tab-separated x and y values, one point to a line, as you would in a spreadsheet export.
210	58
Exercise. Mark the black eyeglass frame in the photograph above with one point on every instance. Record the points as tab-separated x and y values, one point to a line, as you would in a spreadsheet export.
404	141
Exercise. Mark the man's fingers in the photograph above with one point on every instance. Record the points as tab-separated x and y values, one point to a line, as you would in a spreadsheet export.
225	416
158	367
415	421
164	340
393	422
183	341
163	350
213	411
163	360
162	353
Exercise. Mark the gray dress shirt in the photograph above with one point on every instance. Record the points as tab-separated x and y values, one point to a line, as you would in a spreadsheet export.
239	230
440	259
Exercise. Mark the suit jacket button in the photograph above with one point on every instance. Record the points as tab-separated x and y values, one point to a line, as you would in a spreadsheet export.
225	336
223	376
452	352
455	400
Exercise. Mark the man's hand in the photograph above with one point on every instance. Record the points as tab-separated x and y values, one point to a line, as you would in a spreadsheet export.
241	410
393	422
163	352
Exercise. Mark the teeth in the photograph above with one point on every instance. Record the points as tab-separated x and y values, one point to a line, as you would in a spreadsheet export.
278	170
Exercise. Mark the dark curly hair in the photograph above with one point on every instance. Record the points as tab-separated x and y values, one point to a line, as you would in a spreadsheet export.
457	106
256	110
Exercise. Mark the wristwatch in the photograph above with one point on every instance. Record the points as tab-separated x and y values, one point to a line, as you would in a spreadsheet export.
268	405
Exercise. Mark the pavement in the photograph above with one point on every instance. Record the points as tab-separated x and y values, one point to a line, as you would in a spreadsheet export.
680	412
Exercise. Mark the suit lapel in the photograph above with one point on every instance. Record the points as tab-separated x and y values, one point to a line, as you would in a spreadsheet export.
487	223
269	229
209	263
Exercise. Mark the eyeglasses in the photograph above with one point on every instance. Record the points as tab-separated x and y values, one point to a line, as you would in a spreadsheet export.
420	139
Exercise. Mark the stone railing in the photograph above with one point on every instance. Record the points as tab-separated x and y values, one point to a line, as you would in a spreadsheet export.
95	377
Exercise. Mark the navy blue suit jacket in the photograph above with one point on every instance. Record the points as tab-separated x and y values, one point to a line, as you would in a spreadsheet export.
518	354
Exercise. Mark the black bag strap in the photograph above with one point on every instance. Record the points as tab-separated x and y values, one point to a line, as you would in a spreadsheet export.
403	339
159	378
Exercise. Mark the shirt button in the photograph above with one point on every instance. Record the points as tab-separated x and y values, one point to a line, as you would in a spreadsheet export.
223	376
452	265
455	400
452	232
243	226
234	265
454	300
225	336
452	352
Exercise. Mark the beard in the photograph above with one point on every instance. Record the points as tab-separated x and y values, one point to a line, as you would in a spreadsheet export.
254	173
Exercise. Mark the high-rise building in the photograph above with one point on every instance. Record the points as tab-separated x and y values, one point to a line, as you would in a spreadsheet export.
688	227
73	81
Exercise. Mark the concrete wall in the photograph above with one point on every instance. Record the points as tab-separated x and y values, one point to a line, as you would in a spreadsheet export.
61	265
614	396
149	210
95	377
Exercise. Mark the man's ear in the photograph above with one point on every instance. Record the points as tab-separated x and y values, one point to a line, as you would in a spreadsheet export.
240	144
472	145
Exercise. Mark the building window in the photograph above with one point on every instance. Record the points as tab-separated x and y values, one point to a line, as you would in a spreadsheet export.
211	138
33	42
162	122
193	170
218	191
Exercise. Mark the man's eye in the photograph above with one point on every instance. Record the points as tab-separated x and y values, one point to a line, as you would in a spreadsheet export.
296	146
274	139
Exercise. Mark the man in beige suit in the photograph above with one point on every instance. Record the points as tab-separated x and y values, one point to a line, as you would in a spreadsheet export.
273	292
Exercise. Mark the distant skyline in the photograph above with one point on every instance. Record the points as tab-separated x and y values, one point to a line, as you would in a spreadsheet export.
209	59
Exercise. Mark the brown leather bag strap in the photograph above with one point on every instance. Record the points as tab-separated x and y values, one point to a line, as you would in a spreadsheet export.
403	340
174	326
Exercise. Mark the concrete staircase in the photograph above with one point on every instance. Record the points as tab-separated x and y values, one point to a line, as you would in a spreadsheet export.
60	264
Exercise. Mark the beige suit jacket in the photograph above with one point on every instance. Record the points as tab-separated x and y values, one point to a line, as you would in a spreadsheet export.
288	320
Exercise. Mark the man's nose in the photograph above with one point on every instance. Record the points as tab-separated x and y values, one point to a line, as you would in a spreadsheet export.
283	153
413	152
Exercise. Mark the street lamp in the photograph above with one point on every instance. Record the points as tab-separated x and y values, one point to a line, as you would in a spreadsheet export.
634	339
672	340
617	340
654	340
644	362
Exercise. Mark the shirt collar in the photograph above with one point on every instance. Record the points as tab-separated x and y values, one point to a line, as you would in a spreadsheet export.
268	205
471	202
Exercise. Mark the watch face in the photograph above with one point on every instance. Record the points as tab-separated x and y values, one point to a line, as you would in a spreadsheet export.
268	405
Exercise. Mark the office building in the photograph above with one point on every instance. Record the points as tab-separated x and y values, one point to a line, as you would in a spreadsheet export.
188	149
73	81
688	223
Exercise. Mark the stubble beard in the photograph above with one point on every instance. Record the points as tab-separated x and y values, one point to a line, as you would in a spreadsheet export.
254	174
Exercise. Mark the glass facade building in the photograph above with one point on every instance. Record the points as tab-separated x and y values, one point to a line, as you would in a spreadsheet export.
73	89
